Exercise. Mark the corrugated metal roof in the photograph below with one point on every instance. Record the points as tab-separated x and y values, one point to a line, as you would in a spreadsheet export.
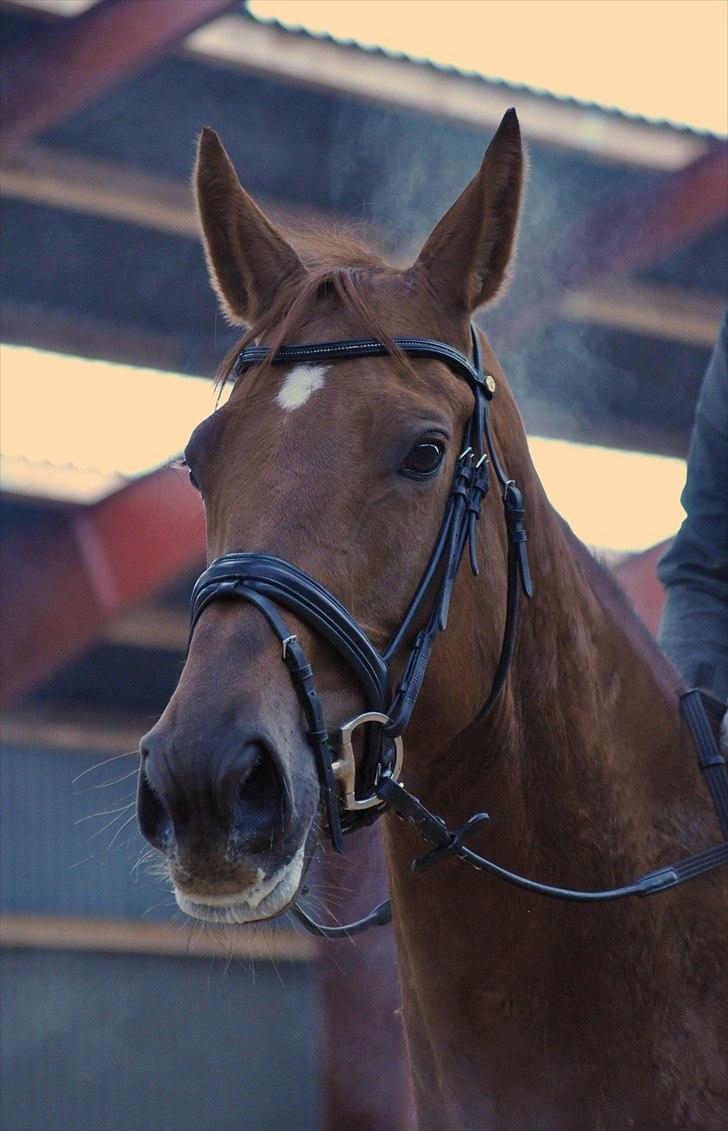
477	78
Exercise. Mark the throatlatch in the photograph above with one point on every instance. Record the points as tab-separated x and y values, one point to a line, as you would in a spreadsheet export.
356	792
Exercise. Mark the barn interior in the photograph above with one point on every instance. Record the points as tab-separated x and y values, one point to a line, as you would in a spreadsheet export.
111	1002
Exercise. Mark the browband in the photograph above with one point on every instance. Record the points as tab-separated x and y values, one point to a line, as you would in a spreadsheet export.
370	347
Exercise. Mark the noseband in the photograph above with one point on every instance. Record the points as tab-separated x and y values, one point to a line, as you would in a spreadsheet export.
356	792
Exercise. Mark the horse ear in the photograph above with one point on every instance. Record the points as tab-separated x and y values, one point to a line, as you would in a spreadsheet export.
465	259
247	257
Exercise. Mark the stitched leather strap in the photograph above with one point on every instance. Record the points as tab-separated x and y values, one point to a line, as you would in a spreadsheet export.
364	347
710	760
303	595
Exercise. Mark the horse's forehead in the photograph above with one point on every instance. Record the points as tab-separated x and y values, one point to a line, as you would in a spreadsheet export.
346	397
367	392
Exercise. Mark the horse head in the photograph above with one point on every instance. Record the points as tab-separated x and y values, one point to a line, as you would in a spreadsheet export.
343	470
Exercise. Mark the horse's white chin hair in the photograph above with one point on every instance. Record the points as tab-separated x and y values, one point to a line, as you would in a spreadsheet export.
267	898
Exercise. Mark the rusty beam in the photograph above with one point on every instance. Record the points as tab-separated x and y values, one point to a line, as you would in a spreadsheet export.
66	574
69	63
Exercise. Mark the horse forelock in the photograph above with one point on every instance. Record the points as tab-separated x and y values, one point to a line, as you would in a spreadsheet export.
339	266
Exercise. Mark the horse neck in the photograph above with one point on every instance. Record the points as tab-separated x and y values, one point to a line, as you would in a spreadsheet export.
514	1002
583	765
588	727
587	739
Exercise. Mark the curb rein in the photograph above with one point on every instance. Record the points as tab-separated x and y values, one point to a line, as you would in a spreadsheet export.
356	795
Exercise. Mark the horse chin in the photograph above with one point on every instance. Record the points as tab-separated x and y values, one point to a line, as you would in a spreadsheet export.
269	897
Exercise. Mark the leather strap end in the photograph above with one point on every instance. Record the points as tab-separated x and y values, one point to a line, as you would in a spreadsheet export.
524	569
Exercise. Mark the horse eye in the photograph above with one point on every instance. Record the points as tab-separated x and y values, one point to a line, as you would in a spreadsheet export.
424	458
194	482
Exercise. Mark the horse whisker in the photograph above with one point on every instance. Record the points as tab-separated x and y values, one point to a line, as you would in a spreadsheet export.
104	813
120	829
126	754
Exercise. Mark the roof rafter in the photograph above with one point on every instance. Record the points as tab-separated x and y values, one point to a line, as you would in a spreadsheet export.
70	62
101	188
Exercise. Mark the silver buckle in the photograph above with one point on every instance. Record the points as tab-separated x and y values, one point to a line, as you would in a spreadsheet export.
344	769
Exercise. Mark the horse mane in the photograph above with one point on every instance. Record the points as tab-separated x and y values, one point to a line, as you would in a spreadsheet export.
339	264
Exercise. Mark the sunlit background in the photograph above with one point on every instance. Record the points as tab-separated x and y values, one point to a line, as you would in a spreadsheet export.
372	113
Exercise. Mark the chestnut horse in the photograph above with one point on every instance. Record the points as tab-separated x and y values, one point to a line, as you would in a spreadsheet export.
520	1012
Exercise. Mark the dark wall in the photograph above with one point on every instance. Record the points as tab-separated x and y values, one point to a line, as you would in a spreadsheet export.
118	1042
129	1042
57	857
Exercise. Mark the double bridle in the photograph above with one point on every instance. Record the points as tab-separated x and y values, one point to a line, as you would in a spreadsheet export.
356	792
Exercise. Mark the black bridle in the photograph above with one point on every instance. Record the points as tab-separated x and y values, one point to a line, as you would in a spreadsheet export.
356	793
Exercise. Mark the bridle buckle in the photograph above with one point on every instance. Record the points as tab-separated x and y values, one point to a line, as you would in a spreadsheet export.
344	768
288	640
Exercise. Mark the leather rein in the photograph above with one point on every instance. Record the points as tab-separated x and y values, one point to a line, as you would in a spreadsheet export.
356	792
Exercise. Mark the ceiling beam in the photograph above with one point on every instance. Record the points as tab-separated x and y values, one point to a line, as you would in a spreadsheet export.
70	62
50	9
69	331
348	69
67	573
671	313
150	626
99	188
73	729
628	233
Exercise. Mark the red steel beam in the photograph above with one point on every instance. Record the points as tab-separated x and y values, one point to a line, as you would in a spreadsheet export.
637	575
617	238
67	573
71	62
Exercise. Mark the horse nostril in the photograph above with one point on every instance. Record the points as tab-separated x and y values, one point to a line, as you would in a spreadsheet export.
153	817
252	757
258	807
